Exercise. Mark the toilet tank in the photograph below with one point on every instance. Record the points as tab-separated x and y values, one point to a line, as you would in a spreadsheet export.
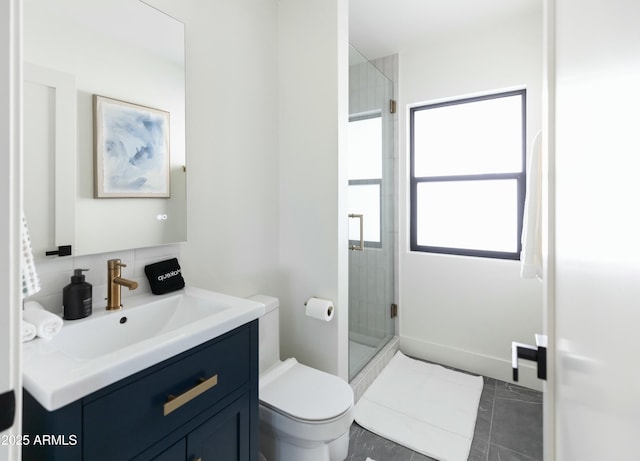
269	332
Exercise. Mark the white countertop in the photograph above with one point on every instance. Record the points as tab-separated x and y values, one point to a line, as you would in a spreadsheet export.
92	353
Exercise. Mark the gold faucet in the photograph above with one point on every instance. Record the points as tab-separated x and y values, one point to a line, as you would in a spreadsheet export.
115	282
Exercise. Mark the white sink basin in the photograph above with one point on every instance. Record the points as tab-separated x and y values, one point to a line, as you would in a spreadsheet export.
97	351
139	321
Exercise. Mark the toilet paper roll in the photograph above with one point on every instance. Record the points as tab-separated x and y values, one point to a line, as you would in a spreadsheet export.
321	309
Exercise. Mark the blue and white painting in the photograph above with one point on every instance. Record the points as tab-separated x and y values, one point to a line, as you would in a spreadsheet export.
132	150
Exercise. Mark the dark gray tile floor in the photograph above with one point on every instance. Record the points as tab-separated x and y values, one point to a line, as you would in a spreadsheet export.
508	428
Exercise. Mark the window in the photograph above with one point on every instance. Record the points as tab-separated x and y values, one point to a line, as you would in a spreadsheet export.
467	160
365	177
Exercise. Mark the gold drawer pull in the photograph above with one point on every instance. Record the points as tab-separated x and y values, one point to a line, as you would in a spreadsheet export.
173	403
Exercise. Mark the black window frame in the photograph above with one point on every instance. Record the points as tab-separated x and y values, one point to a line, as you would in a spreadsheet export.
520	178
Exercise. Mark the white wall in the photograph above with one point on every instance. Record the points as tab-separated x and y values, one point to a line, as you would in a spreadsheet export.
465	311
313	97
266	86
232	200
597	227
232	144
266	189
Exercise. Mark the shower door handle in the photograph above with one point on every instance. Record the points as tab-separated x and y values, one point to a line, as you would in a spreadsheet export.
361	246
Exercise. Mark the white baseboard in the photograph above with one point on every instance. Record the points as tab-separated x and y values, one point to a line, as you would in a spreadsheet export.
492	367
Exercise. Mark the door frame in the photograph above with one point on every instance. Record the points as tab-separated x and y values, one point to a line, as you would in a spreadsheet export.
10	206
548	225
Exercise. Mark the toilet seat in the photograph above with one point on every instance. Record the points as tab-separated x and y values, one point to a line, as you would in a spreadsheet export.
303	393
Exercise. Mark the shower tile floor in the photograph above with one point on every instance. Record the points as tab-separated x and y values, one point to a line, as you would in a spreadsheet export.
359	355
508	428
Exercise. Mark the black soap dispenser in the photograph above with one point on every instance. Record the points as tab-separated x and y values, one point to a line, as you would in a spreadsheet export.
77	297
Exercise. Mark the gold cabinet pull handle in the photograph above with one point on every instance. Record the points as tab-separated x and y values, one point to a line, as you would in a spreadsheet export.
173	403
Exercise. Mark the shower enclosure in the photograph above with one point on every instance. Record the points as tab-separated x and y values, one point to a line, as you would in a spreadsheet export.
371	211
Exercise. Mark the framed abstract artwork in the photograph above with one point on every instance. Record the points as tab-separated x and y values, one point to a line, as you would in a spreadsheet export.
131	150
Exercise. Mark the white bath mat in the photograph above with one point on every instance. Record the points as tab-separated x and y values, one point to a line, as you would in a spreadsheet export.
425	407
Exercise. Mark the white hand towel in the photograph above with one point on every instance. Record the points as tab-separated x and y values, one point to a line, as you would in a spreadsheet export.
28	331
30	280
531	255
47	324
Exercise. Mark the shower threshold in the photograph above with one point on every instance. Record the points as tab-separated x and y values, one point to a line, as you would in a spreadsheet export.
379	358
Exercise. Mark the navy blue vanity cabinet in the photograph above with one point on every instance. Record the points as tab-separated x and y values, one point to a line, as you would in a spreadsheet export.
176	451
202	403
223	436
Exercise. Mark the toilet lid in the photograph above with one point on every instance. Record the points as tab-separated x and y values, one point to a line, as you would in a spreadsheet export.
304	392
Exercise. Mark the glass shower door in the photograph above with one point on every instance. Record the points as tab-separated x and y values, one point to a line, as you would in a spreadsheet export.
371	211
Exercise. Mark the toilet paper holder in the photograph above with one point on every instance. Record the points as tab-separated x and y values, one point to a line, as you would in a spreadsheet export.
307	301
330	308
323	309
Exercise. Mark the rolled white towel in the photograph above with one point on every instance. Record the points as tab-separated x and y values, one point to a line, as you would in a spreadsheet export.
47	324
28	331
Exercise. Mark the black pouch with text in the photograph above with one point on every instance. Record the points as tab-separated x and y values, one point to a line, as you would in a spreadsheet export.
164	276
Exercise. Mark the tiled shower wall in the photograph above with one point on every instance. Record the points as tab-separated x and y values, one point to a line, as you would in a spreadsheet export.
372	272
389	66
55	273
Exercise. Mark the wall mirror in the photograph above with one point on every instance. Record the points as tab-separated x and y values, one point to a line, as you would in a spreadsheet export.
125	50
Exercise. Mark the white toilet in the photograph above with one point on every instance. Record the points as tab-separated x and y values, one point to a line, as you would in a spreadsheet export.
305	414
